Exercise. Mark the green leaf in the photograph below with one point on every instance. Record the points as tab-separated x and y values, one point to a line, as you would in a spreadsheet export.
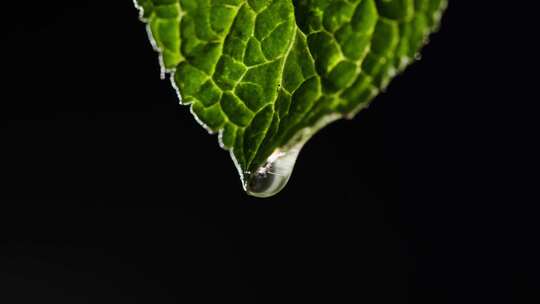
268	74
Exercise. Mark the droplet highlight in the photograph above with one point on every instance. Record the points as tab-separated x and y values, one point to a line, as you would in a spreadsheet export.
273	175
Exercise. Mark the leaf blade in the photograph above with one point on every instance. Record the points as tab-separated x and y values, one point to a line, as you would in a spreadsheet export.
268	74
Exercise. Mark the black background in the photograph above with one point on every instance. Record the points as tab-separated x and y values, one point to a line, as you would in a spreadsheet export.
111	193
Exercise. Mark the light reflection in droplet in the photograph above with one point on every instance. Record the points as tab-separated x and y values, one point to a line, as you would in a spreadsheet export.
271	178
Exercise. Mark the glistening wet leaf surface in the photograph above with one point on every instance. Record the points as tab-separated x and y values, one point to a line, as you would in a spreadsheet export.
268	74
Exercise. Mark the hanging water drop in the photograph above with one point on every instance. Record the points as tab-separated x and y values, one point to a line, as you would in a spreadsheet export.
273	175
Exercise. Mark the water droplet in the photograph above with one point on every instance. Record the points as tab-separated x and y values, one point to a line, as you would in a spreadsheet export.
273	175
270	178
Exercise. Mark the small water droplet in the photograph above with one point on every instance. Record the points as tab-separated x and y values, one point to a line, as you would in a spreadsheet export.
272	176
418	56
